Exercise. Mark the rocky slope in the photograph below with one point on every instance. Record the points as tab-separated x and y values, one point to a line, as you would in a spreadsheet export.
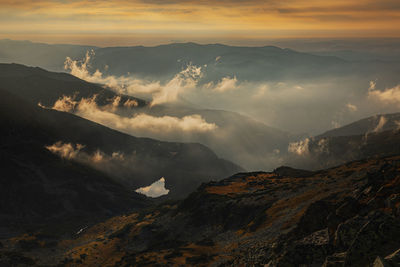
344	216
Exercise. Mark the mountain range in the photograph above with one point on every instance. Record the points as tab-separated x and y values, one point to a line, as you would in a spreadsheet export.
237	137
164	61
74	156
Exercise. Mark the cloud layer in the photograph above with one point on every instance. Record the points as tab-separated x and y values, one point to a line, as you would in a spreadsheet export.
106	115
161	21
388	96
161	93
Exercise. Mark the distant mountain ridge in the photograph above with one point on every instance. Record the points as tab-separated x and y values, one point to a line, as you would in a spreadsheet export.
371	137
164	61
366	125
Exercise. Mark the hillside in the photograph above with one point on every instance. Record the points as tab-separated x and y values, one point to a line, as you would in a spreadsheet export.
377	123
37	85
344	216
38	188
237	138
371	137
132	161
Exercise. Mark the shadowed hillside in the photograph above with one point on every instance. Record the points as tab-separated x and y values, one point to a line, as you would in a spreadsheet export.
344	216
142	160
238	138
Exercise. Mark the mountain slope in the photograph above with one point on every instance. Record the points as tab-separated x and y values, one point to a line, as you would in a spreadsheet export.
238	138
348	216
382	122
39	188
141	161
375	136
37	85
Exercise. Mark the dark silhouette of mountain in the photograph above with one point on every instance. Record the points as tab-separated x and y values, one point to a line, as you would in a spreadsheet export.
40	86
38	188
145	160
238	138
343	216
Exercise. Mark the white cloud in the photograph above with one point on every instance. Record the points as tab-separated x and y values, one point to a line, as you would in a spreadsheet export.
382	121
226	84
299	148
65	150
87	108
161	93
388	96
322	146
351	107
156	189
74	152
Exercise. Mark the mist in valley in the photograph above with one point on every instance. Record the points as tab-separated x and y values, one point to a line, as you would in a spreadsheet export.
258	107
199	133
253	119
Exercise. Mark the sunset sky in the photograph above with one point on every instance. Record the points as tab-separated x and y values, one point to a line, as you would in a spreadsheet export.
162	21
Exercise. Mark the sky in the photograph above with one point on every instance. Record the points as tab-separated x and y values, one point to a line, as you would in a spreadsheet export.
152	22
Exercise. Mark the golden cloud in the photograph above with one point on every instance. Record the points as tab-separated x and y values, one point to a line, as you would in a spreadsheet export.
188	18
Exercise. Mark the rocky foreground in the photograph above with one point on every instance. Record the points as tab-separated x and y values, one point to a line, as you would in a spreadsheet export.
343	216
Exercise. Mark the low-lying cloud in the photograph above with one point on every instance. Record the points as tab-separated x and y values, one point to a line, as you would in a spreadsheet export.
106	115
226	84
382	121
351	107
126	169
388	96
74	152
270	102
299	148
65	150
185	80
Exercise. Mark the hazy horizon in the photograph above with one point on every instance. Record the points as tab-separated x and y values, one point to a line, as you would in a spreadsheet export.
150	22
300	43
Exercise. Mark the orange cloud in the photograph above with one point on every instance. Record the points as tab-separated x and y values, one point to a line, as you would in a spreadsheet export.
189	19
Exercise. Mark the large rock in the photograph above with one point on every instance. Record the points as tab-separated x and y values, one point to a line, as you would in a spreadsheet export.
394	258
347	231
380	235
310	251
335	260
